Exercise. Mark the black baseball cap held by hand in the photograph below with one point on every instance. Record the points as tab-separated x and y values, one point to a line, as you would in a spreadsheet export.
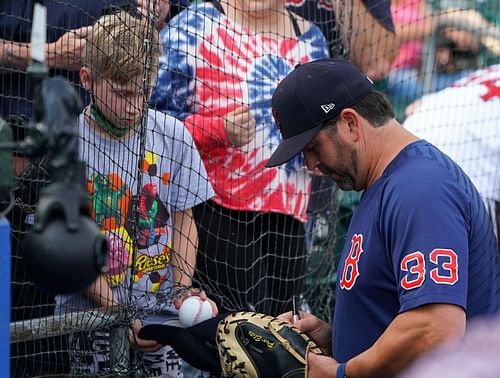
309	96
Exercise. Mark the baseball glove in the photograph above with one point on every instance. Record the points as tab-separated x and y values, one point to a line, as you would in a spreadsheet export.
256	345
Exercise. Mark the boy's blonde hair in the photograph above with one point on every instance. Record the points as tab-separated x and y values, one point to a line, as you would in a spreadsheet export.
121	48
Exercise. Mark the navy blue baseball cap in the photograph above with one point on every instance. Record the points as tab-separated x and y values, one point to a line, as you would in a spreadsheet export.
309	96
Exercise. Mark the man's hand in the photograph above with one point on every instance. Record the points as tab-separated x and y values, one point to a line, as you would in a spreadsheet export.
67	51
147	346
240	126
319	331
156	9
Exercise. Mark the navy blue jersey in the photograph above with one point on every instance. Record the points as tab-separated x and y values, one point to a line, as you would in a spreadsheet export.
420	235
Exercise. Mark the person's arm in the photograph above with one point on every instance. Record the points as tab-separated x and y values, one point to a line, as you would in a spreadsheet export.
184	246
371	46
409	335
100	293
65	53
208	131
236	127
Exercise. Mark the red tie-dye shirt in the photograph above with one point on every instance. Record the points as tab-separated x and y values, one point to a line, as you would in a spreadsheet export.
211	65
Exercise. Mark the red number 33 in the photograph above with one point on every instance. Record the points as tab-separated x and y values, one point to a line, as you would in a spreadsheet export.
414	264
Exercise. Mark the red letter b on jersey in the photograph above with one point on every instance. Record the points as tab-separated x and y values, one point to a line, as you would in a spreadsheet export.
351	271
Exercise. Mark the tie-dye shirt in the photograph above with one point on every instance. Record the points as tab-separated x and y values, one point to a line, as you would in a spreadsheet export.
211	65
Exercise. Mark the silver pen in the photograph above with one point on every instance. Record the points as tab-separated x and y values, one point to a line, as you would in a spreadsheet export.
295	310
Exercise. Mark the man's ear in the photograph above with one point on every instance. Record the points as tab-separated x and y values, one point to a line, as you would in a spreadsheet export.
351	121
86	78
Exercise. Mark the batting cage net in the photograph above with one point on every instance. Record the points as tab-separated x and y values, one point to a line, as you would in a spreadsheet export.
176	127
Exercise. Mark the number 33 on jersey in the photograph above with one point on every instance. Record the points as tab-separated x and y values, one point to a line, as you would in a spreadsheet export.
440	265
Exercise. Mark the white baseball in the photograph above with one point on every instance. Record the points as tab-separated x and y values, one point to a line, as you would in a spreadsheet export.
193	310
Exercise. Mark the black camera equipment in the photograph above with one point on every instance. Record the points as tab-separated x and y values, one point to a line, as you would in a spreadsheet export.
64	251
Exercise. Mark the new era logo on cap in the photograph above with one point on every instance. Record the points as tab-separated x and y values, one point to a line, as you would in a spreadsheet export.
311	95
327	107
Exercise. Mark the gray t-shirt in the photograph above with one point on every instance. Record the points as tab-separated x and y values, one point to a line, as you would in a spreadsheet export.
169	177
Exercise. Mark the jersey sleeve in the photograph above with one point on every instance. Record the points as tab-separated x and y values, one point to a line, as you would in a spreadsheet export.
425	226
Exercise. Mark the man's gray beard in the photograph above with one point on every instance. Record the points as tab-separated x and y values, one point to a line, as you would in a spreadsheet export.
347	182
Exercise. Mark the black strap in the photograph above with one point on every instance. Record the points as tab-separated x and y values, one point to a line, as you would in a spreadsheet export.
295	24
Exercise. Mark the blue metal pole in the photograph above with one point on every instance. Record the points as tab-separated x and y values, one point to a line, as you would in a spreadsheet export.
4	297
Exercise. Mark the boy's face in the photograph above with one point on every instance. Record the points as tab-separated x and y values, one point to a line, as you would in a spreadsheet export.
121	104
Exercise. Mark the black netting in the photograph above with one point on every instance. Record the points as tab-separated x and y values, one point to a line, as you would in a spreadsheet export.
161	128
